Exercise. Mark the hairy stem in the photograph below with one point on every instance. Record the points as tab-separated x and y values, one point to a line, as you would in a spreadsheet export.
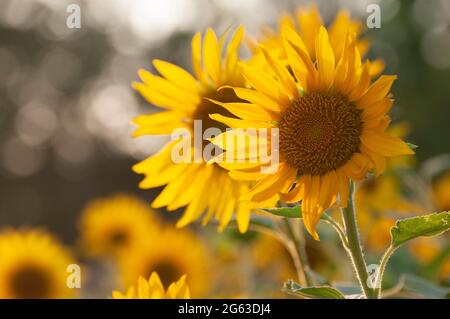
383	263
354	245
337	228
298	252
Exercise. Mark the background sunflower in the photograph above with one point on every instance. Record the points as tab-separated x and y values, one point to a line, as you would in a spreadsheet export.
33	265
154	289
116	223
171	254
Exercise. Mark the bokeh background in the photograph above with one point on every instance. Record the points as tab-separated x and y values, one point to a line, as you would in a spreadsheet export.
66	102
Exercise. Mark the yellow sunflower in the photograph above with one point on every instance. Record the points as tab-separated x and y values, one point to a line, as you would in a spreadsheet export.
377	201
377	196
330	118
444	270
307	22
115	223
379	234
170	253
205	189
154	289
441	190
271	256
425	249
33	265
401	130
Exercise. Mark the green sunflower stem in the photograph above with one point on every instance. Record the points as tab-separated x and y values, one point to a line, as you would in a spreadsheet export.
299	253
383	263
354	248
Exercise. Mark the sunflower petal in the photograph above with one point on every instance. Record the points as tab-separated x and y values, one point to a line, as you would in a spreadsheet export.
283	75
197	57
325	59
181	78
377	91
212	56
247	111
258	99
386	145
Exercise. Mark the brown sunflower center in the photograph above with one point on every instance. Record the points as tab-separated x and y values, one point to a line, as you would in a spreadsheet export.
370	186
30	282
319	132
118	238
167	272
204	109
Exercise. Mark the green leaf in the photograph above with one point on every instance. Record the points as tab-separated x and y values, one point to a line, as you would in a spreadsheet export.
288	212
318	292
427	225
348	289
412	146
322	292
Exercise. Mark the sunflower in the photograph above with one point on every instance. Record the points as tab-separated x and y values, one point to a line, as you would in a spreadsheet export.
307	22
33	265
272	257
444	270
378	200
425	249
330	118
187	99
441	191
154	289
376	196
170	253
115	223
401	130
379	234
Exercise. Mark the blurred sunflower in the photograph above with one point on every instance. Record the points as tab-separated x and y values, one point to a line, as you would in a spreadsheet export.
202	188
154	289
307	22
271	257
170	253
379	233
331	123
444	271
377	201
425	249
33	265
115	223
378	195
441	190
378	237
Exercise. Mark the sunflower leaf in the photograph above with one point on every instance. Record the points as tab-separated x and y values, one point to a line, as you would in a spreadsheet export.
427	225
318	292
288	212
